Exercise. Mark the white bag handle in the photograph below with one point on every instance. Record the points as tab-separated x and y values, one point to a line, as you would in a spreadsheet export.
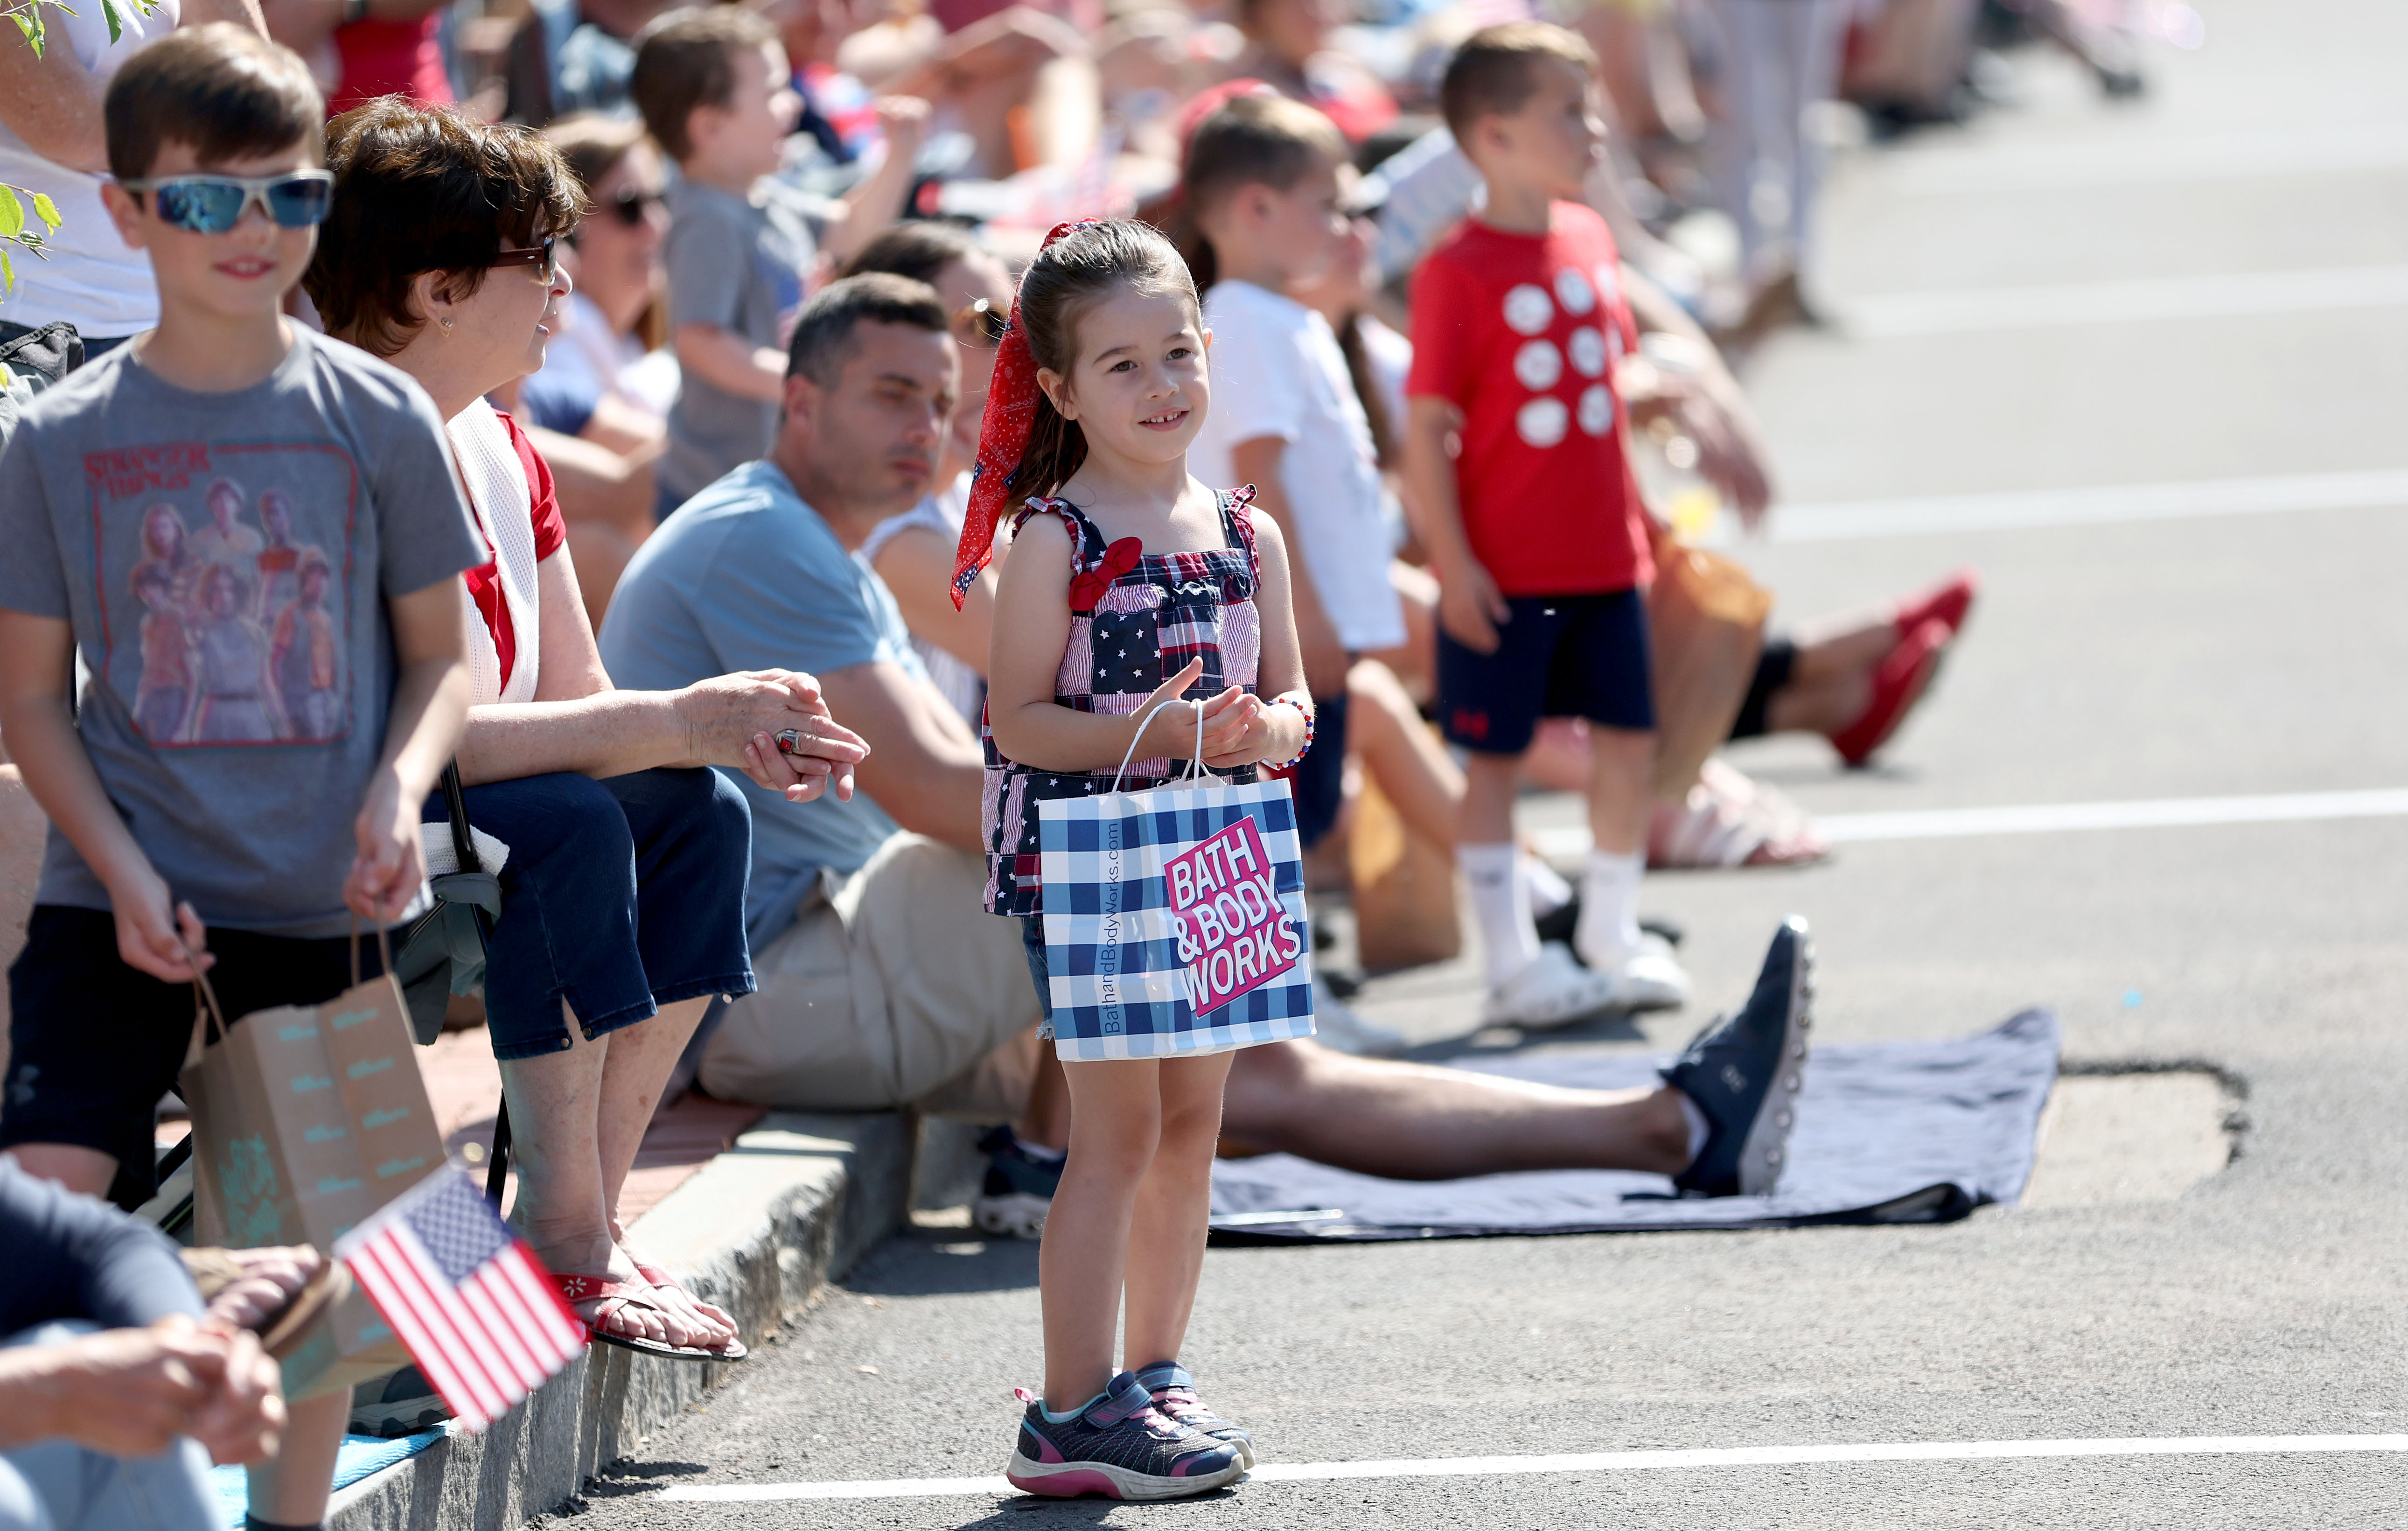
1195	767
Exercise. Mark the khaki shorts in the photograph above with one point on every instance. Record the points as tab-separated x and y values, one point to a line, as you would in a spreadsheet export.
895	987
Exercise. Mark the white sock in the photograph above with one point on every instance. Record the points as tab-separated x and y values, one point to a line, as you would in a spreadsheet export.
1699	1126
1549	891
1502	900
1608	932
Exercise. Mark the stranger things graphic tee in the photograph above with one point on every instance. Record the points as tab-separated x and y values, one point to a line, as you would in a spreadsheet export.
224	559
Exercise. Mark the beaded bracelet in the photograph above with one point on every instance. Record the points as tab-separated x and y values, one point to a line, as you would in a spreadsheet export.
1303	749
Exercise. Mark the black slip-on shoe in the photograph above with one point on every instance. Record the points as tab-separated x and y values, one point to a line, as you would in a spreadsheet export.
1744	1074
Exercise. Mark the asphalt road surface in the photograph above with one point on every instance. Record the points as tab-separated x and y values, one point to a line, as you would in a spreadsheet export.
2227	314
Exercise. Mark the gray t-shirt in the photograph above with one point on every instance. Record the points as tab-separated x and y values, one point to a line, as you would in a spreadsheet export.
747	576
737	264
224	559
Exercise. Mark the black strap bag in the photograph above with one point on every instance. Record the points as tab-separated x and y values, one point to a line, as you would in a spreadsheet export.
443	952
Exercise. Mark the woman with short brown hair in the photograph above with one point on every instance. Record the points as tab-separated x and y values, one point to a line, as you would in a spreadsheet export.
623	892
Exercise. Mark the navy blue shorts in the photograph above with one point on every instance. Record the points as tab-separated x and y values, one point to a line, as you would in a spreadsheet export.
1561	656
92	1043
620	895
1318	782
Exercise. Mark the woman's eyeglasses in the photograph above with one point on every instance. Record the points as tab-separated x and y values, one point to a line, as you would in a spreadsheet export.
980	324
542	257
629	207
215	204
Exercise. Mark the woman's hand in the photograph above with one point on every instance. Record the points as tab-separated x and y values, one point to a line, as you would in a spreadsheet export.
734	720
391	866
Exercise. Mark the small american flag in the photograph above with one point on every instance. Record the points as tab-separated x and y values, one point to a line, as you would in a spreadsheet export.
470	1299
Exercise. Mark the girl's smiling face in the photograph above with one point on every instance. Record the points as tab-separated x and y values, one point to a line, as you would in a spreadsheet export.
1138	387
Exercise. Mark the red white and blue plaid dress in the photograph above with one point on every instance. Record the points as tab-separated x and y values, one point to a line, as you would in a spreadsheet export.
1136	620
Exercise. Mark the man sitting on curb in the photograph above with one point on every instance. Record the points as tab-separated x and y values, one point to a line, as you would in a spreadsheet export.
884	982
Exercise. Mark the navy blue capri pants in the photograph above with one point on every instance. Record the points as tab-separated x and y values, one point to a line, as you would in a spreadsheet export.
620	896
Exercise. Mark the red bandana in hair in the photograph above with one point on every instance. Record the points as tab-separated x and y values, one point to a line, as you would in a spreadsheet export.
1003	435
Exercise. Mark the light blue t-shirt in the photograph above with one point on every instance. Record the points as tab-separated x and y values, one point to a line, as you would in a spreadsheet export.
747	576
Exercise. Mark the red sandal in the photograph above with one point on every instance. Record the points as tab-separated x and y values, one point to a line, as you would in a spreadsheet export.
619	1294
1899	682
735	1349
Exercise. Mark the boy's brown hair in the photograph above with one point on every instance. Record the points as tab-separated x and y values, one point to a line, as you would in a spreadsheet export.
225	90
1249	140
686	60
1493	73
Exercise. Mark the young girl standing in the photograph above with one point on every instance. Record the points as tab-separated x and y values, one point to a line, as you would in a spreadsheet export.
1130	586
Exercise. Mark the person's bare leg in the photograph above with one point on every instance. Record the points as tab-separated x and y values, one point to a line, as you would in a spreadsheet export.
634	1070
291	1488
1166	1254
1832	682
1402	753
1413	1121
1045	1121
1414	662
555	1106
88	1171
1116	1121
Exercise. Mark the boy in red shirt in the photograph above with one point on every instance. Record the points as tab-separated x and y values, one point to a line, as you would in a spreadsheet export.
1536	530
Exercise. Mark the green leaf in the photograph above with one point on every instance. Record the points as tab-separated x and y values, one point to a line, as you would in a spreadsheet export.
108	11
47	211
8	274
12	213
30	22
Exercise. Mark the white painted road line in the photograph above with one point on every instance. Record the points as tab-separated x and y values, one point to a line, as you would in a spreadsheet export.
1927	515
1501	1467
2141	300
1565	841
1950	170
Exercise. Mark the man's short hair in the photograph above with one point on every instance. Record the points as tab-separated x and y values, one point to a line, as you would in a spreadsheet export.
223	88
823	334
427	189
1493	72
687	58
917	248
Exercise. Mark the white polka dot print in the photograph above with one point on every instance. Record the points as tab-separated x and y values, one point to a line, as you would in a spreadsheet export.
1527	310
1538	364
1572	291
1541	421
1596	409
1588	353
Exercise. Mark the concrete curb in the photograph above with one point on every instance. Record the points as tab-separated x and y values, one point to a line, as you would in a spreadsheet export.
791	1207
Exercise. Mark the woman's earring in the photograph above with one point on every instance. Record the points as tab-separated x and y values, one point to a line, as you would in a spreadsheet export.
445	323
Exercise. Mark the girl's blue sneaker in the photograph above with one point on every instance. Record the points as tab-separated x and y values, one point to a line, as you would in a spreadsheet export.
1173	1389
1119	1446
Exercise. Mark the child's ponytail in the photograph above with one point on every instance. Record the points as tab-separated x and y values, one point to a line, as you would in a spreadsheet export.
1026	446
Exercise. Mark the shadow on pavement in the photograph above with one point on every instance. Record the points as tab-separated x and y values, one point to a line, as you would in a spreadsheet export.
933	1262
1028	1514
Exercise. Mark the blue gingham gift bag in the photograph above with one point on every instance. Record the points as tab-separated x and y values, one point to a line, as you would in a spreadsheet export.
1174	918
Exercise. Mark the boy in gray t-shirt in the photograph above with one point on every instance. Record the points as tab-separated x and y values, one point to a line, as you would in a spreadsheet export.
251	536
713	88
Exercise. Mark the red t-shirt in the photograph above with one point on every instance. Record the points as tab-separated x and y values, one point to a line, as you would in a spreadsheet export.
1521	332
390	58
485	581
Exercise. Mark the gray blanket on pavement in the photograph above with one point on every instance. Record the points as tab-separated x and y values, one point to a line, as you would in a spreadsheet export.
1887	1132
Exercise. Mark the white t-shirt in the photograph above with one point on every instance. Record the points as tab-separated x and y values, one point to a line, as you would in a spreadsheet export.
90	280
942	513
1277	371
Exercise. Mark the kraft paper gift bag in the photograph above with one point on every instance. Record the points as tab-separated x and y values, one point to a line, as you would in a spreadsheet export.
307	1118
1174	918
1705	626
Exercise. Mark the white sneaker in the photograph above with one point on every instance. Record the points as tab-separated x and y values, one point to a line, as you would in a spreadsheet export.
1552	990
1339	1027
1648	979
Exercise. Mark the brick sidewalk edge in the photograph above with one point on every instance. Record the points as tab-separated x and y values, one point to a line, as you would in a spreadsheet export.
758	1230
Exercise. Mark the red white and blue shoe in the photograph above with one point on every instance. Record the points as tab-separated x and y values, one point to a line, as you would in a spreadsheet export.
1120	1447
1173	1389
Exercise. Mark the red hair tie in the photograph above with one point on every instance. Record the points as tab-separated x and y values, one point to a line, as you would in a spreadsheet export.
1003	438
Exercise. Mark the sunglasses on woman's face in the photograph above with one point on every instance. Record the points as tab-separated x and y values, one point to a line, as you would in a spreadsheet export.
629	207
980	324
543	257
215	204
